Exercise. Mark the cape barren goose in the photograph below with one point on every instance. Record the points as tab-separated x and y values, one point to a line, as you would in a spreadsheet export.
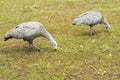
91	18
28	31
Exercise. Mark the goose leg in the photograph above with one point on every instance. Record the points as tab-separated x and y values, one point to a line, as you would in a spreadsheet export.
30	47
31	44
91	31
35	47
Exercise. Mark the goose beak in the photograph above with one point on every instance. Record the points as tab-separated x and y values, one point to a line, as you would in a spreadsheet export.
5	39
73	24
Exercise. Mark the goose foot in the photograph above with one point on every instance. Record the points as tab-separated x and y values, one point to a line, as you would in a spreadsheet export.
40	50
29	50
91	34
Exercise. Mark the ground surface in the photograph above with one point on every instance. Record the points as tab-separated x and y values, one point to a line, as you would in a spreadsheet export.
79	56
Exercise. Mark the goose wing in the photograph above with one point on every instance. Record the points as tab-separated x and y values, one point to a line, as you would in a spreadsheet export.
90	17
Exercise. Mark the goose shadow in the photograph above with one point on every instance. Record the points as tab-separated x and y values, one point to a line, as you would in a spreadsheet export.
21	49
95	33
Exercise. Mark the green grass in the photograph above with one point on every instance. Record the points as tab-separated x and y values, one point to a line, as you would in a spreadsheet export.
79	56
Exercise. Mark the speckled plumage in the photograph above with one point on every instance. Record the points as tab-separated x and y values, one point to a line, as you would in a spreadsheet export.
91	18
28	31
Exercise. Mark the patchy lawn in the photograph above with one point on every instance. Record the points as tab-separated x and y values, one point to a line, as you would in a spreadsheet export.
79	56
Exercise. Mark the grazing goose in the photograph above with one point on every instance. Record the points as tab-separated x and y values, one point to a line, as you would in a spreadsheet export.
91	18
28	31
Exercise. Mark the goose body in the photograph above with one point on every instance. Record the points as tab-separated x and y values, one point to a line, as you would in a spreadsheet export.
91	18
28	31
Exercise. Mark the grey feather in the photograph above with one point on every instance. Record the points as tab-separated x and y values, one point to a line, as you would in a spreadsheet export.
91	18
28	31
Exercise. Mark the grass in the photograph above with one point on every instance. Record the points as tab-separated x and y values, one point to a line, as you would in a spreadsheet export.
79	56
